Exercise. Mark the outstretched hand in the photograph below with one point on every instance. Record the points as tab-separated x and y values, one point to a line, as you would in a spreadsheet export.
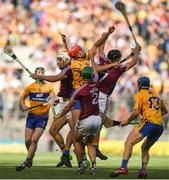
124	123
34	76
63	36
111	29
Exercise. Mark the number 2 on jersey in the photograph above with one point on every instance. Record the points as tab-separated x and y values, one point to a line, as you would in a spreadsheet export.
95	97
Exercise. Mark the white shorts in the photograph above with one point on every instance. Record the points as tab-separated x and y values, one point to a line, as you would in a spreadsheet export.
103	103
89	126
59	107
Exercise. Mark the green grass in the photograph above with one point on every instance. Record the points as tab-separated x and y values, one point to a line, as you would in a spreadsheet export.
44	167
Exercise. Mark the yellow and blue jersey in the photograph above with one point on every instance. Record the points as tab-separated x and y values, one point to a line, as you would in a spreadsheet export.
150	104
77	66
37	95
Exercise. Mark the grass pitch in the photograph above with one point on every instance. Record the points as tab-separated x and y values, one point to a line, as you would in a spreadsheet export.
44	167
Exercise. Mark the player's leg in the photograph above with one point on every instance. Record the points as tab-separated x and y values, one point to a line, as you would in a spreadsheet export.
70	138
66	157
91	153
54	131
92	127
147	144
145	157
103	106
28	136
29	131
75	117
133	138
78	148
34	143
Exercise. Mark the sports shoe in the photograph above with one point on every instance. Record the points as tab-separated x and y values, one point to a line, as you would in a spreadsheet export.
86	163
119	171
23	166
142	173
60	164
100	155
65	159
93	171
81	170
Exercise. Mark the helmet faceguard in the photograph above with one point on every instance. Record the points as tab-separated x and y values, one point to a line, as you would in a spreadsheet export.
76	51
63	56
40	70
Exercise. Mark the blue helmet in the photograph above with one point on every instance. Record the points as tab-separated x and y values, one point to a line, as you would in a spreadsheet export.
144	82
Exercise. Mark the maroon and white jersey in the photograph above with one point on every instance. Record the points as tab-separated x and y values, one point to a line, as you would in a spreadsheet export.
88	96
108	82
66	87
103	60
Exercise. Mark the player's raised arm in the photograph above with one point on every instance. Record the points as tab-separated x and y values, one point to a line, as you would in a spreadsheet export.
101	48
100	41
135	57
64	40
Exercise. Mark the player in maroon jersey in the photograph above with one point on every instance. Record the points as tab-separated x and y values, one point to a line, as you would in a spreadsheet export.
65	77
89	122
108	81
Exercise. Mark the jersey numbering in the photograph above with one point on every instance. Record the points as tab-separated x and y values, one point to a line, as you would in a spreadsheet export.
154	102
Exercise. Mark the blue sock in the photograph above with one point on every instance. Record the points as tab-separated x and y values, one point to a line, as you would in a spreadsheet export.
124	163
66	152
96	146
143	166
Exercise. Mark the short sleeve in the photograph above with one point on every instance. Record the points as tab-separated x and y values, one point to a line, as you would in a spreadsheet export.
137	102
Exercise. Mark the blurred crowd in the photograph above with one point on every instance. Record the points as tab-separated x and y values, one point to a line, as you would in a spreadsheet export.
37	23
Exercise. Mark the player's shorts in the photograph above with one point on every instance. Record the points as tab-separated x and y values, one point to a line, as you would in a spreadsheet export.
103	103
59	107
89	126
151	130
76	105
36	121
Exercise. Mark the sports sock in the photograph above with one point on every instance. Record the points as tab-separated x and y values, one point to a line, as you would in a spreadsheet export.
66	152
94	164
124	163
96	147
80	164
144	165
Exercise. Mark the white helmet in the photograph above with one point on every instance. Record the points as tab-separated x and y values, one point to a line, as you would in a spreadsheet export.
64	56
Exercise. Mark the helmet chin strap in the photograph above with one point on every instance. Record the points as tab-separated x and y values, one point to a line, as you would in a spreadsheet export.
42	81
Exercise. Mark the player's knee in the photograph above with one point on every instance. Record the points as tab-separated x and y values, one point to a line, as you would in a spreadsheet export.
52	131
27	141
35	141
144	149
129	143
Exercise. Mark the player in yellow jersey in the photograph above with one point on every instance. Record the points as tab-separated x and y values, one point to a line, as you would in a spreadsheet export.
151	107
81	59
37	118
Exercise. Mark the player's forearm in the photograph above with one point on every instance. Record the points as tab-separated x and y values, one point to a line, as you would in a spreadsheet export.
50	78
65	46
100	41
101	68
94	65
66	109
22	102
133	115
